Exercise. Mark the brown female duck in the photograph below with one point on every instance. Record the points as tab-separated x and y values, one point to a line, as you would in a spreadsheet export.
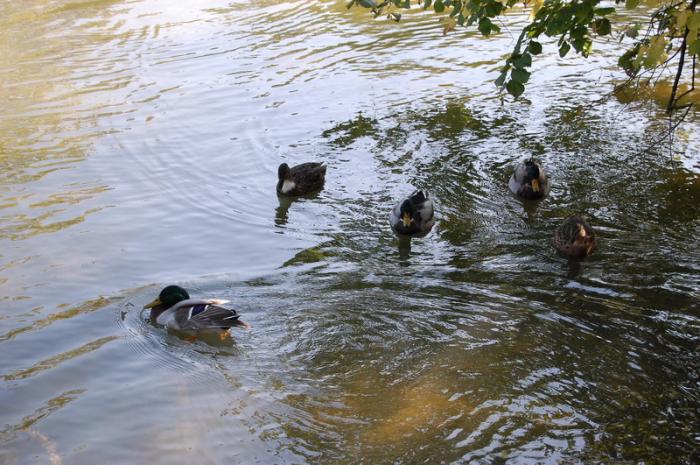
301	179
574	238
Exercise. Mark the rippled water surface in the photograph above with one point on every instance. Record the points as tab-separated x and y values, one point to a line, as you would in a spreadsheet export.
139	143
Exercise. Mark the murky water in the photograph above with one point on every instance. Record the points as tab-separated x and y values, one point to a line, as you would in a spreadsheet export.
139	142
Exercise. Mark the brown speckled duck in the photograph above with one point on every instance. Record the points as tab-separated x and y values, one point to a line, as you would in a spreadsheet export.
301	179
574	238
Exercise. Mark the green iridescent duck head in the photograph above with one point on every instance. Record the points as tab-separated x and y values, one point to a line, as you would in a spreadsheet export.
168	297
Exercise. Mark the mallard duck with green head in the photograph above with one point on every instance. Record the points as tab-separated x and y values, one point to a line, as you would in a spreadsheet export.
301	179
529	181
574	238
174	309
413	216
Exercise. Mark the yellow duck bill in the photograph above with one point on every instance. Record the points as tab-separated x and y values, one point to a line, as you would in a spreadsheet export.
154	303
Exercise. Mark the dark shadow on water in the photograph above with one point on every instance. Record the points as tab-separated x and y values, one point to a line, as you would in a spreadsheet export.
573	268
317	254
282	210
347	132
404	250
530	207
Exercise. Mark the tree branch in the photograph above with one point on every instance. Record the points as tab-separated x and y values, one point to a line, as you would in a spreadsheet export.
673	100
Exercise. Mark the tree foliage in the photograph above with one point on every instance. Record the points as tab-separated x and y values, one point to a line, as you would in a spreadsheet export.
666	42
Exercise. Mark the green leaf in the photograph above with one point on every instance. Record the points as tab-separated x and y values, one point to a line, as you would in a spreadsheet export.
502	78
427	3
583	11
520	75
655	53
628	61
587	47
534	47
514	88
523	61
439	6
693	25
695	48
485	26
493	8
556	24
578	33
602	26
368	3
564	49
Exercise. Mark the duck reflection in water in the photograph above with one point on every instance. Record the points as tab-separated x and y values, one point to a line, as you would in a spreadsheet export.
282	210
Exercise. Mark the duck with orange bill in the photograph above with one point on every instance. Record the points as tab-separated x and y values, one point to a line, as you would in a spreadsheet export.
174	309
413	216
529	181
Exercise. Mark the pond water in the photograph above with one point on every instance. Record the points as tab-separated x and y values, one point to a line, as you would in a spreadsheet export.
139	145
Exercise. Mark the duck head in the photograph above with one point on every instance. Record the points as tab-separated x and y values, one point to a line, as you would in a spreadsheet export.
575	239
583	243
285	183
284	172
407	212
168	297
532	175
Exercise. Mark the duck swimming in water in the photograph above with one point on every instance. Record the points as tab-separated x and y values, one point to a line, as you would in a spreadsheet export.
174	309
301	179
413	216
574	238
529	181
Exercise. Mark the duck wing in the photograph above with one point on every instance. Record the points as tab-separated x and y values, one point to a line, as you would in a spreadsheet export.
309	176
196	314
423	206
425	212
205	316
